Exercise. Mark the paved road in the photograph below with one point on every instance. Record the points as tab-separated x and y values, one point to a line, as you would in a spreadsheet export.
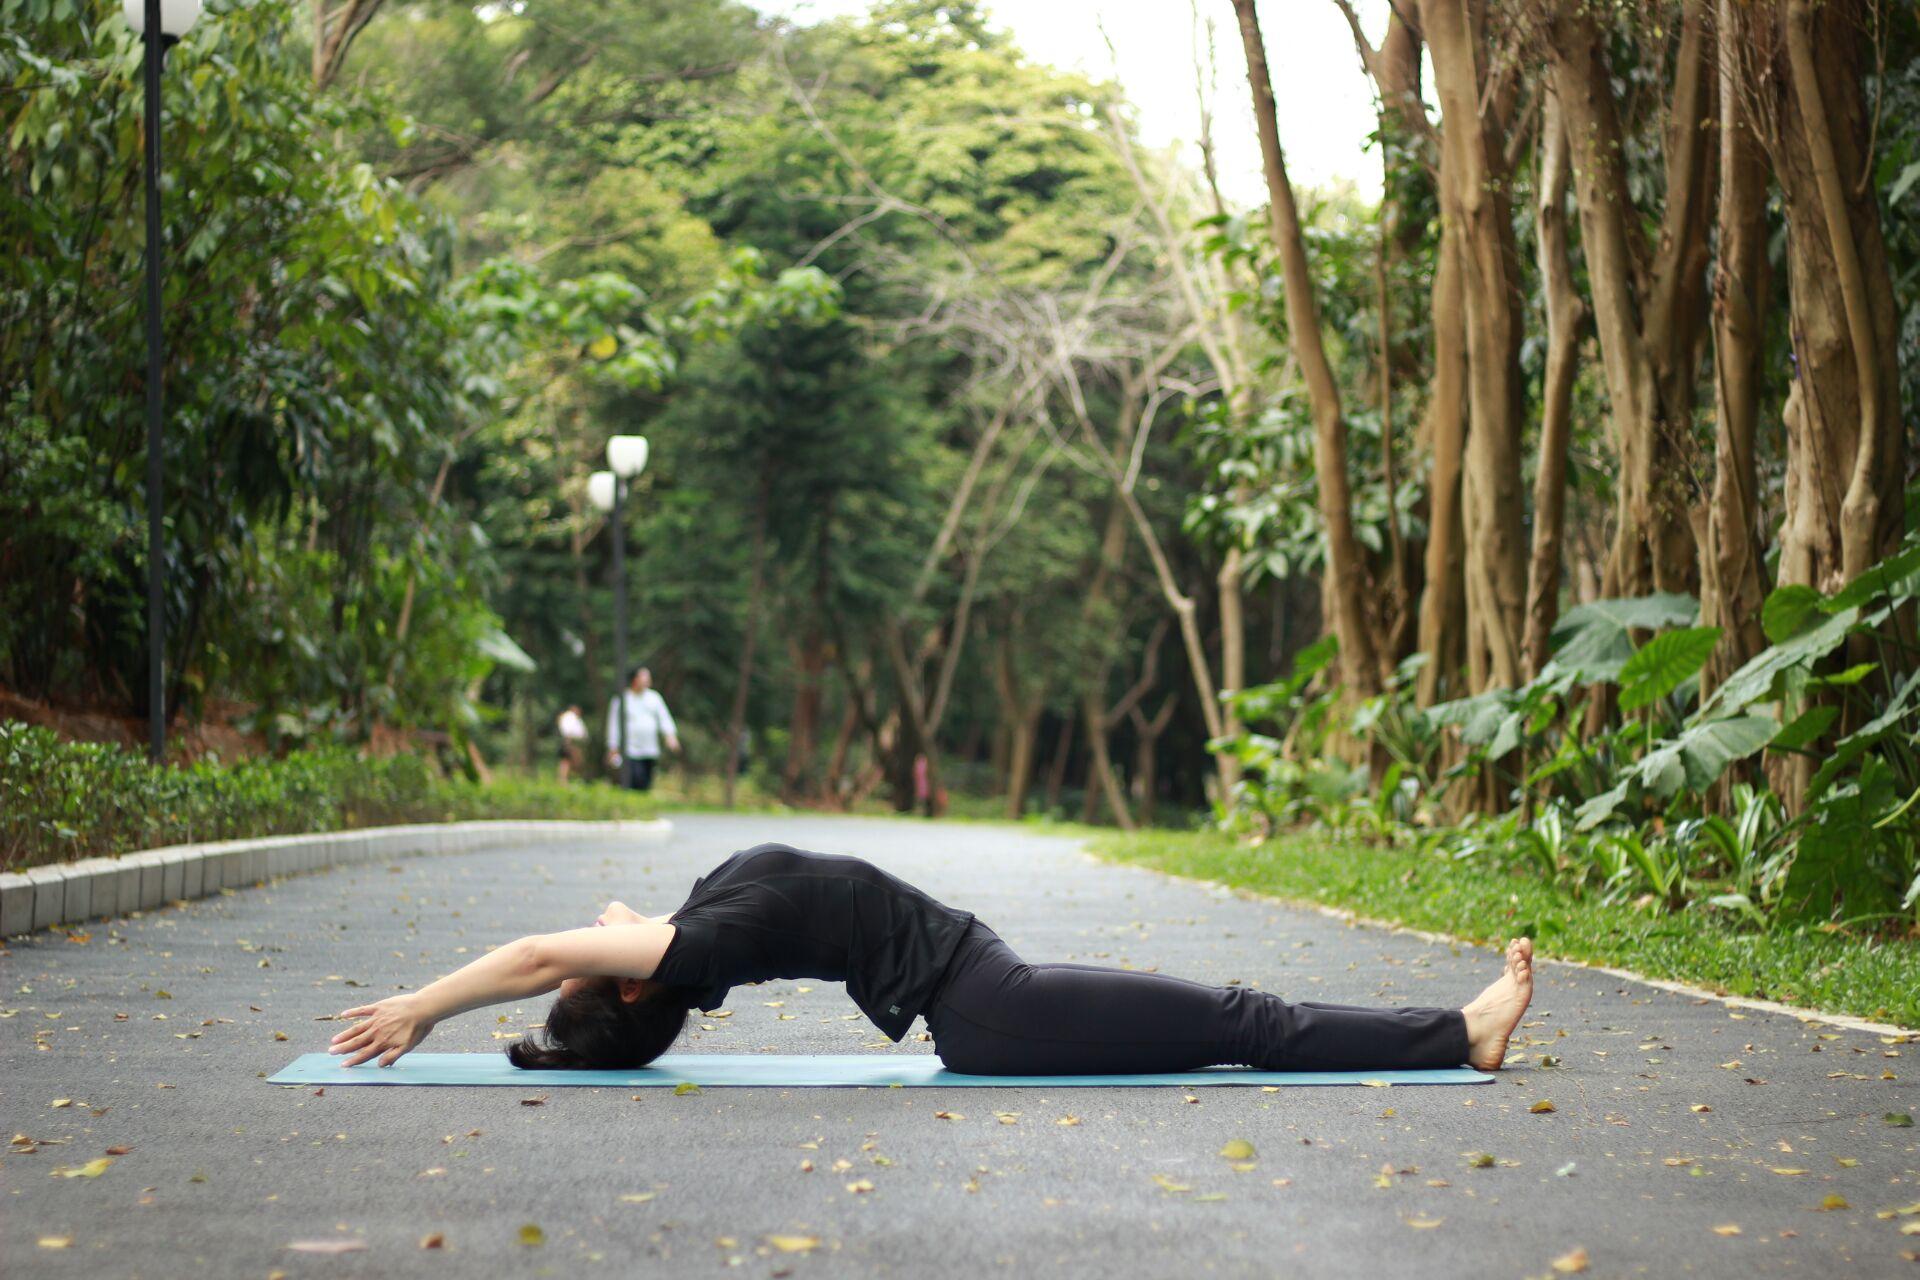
161	1030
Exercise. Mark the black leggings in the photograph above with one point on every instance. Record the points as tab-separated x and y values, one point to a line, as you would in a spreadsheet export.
995	1015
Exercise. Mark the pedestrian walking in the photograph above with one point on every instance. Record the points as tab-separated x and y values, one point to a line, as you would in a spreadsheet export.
573	742
648	723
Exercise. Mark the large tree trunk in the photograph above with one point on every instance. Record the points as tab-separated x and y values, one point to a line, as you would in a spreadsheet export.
1846	452
1564	316
1473	195
1443	604
1732	570
1359	661
1648	302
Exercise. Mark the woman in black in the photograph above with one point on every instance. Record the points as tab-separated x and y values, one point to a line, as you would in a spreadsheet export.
625	987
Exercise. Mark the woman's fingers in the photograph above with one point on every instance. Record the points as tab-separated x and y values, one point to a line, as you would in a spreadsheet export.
361	1012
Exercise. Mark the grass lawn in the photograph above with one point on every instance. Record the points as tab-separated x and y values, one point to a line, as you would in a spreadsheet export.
1841	973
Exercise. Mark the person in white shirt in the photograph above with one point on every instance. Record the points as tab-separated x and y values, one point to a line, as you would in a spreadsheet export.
573	742
648	724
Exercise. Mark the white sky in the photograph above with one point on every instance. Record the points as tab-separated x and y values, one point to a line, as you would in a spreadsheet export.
1325	101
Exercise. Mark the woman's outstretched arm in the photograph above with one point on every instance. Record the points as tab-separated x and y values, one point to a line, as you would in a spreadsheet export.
528	966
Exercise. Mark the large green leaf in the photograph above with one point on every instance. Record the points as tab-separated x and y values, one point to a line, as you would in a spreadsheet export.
1788	610
1891	582
1595	639
1754	680
1663	664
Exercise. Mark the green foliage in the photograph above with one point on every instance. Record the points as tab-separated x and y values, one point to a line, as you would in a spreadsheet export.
1487	897
60	801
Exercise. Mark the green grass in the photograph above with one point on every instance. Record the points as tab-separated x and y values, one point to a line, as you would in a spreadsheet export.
1875	978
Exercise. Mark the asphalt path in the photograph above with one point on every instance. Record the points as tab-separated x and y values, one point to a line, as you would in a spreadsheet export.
1684	1138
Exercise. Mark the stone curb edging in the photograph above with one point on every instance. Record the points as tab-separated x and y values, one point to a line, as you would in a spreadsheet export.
1847	1021
100	888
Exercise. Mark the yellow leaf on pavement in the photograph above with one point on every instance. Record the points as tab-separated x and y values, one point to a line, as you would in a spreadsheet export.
1541	1107
1572	1262
1238	1149
1727	1229
794	1244
531	1235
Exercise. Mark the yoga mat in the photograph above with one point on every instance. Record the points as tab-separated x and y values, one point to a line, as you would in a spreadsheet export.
812	1071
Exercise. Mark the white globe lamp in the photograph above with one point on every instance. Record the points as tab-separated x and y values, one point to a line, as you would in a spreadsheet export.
600	490
627	455
176	16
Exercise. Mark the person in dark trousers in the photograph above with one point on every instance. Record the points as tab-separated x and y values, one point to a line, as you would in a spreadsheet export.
648	725
626	984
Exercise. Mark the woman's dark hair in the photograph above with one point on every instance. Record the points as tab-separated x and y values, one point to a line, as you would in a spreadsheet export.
594	1029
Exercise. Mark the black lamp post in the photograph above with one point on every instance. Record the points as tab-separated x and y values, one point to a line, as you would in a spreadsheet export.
627	458
160	24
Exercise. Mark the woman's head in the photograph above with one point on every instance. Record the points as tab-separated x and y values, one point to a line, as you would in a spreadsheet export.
605	1023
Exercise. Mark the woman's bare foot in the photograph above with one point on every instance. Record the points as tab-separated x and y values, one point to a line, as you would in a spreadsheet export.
1496	1011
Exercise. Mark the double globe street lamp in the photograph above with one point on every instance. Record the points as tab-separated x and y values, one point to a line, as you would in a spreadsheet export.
626	458
160	24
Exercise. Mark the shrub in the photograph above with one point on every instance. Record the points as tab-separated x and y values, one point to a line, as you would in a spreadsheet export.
60	800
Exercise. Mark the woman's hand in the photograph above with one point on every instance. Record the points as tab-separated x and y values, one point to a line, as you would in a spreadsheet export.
393	1027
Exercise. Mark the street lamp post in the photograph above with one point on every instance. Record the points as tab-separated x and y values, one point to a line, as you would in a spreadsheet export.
626	458
160	24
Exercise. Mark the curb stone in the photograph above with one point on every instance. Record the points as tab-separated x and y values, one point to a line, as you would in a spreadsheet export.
101	888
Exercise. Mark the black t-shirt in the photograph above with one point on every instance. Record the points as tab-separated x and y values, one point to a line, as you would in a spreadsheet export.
777	912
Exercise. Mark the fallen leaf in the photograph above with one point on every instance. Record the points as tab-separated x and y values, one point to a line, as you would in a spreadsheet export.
1479	1160
531	1235
684	1088
62	1102
1700	1108
434	1240
279	1035
1831	1202
91	1169
1211	1197
1007	1117
55	1242
1238	1149
1727	1229
860	1186
1572	1262
636	1197
328	1246
534	1102
1898	1119
794	1244
1541	1107
948	1115
1788	1173
119	1151
1067	1121
1677	1162
1422	1223
1169	1185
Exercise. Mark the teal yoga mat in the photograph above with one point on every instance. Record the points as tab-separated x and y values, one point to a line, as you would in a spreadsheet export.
810	1071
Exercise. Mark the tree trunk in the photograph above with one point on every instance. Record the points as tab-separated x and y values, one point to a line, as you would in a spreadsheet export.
1057	769
1564	317
1473	196
1648	313
1359	660
1732	569
1443	605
